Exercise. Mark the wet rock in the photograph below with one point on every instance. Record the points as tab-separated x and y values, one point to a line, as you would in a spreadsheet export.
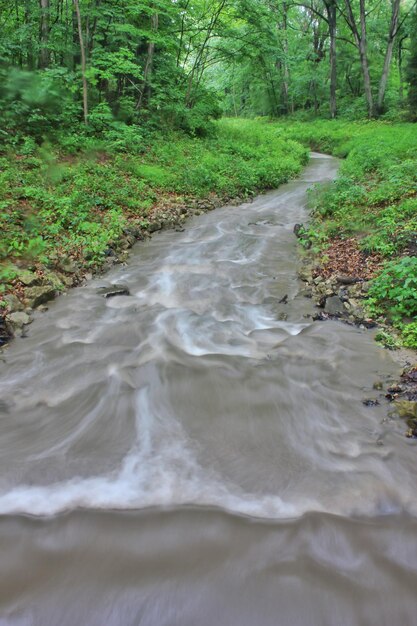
406	408
27	278
55	280
13	303
370	402
321	317
284	300
343	295
39	295
368	323
114	290
69	266
298	230
355	309
305	273
334	306
306	293
19	319
395	389
283	317
154	227
409	374
378	385
6	331
320	301
347	280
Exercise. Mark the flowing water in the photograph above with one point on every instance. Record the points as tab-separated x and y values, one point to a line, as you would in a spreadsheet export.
198	453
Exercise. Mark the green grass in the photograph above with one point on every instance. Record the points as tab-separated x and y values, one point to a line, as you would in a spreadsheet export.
374	199
57	201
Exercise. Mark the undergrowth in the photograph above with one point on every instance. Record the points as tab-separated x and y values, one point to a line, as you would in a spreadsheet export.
67	200
373	199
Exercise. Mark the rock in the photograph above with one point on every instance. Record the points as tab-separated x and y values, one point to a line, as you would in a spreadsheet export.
320	301
88	276
154	227
347	280
334	306
28	278
39	295
283	317
318	280
378	385
6	331
406	408
395	389
305	274
355	309
19	319
13	303
55	280
306	293
298	228
370	402
114	290
68	266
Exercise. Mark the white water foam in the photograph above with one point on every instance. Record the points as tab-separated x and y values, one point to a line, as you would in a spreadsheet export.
161	470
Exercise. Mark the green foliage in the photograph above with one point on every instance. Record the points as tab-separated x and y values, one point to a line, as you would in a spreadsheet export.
78	203
394	290
409	335
388	340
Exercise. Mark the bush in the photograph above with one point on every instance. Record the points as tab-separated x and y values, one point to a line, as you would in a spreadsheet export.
394	291
409	335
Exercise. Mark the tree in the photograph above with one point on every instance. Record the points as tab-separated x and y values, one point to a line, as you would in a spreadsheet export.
412	68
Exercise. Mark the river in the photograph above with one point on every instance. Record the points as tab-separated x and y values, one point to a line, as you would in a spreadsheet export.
198	453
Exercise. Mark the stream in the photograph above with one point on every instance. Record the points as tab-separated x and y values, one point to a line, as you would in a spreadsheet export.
198	453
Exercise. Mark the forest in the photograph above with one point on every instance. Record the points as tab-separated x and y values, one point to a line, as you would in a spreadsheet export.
192	103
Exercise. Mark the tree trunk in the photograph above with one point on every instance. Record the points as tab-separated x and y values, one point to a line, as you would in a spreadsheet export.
83	61
44	34
149	63
400	67
363	53
331	15
361	44
388	55
286	72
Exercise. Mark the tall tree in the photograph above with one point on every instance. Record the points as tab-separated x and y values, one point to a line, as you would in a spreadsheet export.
393	30
44	34
359	32
83	60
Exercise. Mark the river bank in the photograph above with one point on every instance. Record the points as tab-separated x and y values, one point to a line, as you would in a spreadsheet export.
363	225
68	216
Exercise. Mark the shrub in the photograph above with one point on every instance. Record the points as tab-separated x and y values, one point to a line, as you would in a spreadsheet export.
394	291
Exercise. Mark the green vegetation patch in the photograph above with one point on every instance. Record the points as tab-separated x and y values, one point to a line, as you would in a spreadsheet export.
56	202
374	199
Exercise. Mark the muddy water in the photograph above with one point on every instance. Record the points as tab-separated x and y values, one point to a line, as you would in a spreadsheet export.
187	457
